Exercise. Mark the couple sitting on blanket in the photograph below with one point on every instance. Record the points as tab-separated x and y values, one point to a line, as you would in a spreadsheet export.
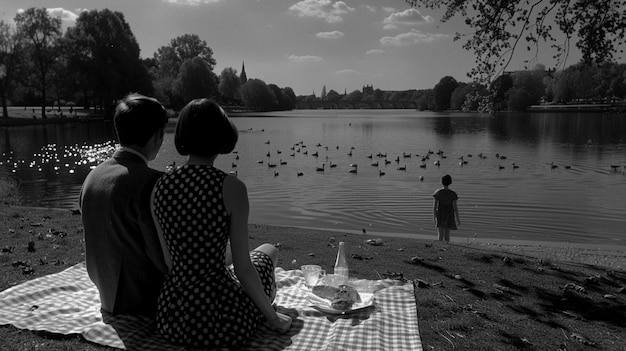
162	244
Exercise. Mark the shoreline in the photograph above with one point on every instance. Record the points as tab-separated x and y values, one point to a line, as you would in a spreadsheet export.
610	256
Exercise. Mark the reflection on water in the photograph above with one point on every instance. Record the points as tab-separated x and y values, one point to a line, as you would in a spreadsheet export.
568	184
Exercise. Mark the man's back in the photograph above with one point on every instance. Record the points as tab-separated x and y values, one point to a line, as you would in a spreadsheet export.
123	253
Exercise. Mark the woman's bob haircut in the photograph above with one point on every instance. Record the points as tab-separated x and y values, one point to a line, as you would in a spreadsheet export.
446	179
204	129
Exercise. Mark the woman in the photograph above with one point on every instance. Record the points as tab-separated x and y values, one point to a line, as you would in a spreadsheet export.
445	210
204	301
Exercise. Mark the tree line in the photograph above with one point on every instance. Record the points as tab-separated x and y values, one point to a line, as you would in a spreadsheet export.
511	91
97	61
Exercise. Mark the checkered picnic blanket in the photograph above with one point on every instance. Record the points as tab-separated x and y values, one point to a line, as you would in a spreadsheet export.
68	303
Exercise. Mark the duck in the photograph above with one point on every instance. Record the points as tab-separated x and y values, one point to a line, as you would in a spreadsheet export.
375	164
552	165
437	163
271	165
354	165
315	154
299	173
321	169
501	167
423	165
233	173
514	165
381	173
421	178
283	162
353	170
275	173
402	168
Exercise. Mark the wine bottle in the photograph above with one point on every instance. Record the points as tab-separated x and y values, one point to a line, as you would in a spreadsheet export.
341	265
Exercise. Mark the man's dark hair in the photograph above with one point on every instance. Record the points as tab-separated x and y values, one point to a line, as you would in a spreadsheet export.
137	118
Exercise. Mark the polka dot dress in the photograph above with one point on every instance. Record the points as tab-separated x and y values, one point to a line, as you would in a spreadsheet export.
202	304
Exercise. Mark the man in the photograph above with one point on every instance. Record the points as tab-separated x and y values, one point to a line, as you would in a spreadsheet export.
123	252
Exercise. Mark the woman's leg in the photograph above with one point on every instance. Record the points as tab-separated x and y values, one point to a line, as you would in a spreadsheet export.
271	251
446	234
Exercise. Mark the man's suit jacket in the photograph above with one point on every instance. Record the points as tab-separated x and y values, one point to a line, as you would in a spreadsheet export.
122	248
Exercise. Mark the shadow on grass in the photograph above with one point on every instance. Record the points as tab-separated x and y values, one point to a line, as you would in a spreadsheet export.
581	306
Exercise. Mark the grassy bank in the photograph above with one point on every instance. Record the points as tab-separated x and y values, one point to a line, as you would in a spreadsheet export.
470	297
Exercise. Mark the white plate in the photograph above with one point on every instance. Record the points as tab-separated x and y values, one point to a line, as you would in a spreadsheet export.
323	305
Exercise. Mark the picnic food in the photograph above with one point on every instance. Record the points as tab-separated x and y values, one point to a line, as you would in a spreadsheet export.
341	298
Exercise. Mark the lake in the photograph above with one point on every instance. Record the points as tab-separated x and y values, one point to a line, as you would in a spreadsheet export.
568	184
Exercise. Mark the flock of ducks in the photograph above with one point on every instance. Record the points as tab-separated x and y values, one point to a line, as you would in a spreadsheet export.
378	160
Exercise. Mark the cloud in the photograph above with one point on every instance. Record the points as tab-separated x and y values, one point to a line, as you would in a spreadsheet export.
408	17
351	71
329	10
370	8
191	2
374	51
412	38
304	59
66	16
330	35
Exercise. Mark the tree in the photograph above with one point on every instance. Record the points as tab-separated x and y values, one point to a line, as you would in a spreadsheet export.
168	60
332	95
10	46
528	89
426	101
256	94
41	33
290	95
442	93
105	54
195	80
499	27
229	84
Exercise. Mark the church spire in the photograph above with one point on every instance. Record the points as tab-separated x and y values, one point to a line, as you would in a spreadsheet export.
242	77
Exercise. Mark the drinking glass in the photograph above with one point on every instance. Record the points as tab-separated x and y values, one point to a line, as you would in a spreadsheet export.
312	274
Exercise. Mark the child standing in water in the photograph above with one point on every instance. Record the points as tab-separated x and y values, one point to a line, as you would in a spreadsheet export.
445	211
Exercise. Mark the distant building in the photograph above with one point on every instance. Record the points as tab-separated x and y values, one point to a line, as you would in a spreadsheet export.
368	89
242	77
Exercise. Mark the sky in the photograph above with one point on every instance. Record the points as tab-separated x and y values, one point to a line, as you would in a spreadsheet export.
305	45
